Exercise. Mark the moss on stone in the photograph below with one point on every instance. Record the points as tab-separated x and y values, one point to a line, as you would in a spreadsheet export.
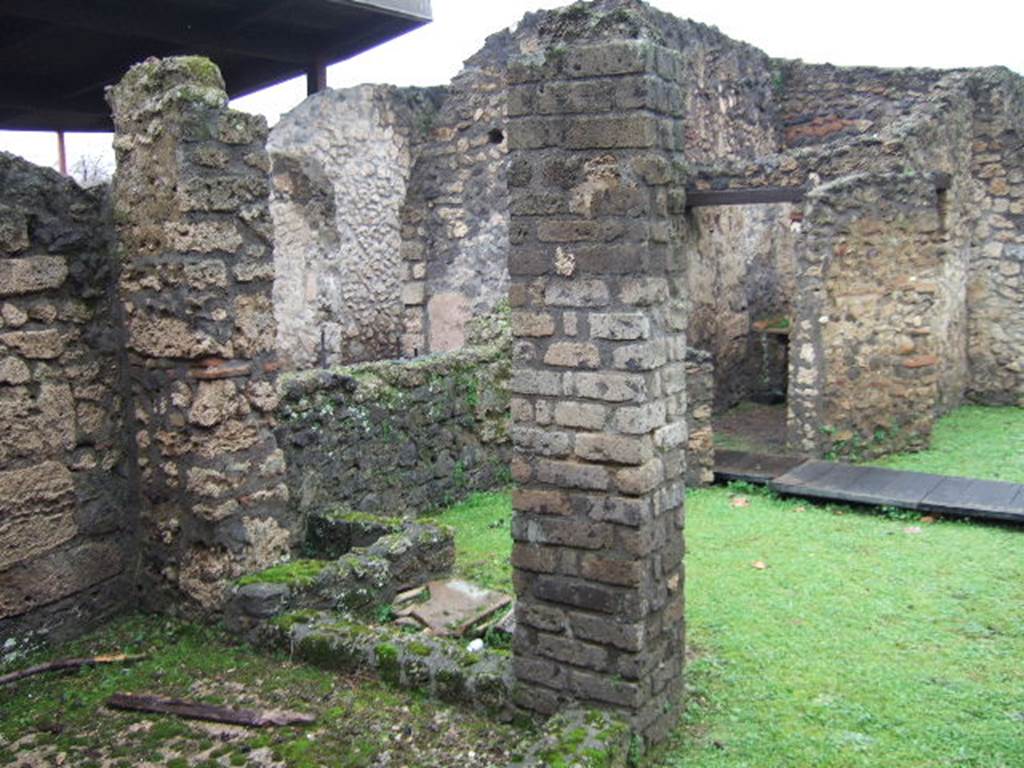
286	621
584	739
419	648
298	573
387	663
450	684
203	70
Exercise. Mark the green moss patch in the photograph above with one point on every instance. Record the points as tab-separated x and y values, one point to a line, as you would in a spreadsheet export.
297	573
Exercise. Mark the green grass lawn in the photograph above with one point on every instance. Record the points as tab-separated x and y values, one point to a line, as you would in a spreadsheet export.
867	641
973	441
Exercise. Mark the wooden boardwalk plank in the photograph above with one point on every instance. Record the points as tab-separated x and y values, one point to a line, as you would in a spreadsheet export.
893	487
920	491
977	498
806	474
752	467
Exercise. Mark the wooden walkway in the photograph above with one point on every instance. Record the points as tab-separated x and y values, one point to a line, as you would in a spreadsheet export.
833	481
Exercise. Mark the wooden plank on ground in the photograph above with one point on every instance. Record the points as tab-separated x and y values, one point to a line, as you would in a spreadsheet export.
877	486
891	487
803	475
752	467
198	711
968	497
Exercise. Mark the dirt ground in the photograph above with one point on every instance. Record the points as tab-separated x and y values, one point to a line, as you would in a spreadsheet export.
752	427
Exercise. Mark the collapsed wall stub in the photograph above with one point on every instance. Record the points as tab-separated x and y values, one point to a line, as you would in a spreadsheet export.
598	380
190	206
65	525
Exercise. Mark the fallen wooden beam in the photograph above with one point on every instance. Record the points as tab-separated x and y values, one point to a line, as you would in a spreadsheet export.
66	664
194	710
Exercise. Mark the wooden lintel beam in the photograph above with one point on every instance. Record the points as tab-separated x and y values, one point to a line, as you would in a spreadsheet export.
700	198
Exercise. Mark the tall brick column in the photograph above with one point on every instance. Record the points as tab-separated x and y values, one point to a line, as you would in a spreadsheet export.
598	382
190	203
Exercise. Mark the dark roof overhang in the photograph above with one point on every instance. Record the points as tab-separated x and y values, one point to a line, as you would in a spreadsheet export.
57	56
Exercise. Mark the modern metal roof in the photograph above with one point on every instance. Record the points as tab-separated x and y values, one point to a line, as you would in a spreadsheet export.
57	56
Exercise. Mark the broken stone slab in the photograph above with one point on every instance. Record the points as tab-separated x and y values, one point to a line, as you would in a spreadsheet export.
334	531
456	606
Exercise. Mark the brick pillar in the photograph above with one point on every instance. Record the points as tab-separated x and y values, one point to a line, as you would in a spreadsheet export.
190	203
598	383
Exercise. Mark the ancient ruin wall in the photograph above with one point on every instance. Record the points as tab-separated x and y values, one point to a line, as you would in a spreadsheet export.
821	103
741	271
995	291
341	162
455	216
64	513
395	437
190	203
739	258
869	345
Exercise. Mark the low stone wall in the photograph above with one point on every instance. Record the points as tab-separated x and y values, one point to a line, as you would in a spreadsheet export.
397	437
64	530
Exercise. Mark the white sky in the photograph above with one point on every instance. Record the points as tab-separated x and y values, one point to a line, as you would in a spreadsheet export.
893	33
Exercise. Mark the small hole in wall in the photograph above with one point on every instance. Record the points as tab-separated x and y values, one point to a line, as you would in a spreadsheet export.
496	136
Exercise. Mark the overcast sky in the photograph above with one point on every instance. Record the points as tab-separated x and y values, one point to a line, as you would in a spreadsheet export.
879	32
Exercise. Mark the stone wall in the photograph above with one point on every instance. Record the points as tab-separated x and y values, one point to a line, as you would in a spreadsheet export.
996	284
341	163
455	216
65	525
740	273
396	438
599	381
700	400
873	266
822	103
190	203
